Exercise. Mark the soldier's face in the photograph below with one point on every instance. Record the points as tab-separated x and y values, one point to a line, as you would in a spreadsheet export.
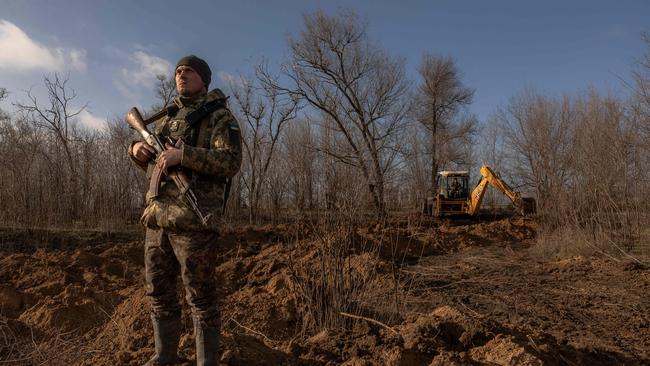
188	81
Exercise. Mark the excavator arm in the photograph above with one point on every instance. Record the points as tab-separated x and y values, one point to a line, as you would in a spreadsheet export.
475	199
490	177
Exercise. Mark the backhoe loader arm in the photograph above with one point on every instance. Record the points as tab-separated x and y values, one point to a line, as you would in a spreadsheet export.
490	177
477	196
497	182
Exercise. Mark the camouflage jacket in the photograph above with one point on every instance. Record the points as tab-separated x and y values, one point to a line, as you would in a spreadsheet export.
211	152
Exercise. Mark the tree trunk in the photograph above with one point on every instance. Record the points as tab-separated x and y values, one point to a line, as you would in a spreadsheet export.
434	156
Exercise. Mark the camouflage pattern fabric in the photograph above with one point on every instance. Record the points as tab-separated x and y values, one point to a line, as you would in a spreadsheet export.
176	242
211	152
193	255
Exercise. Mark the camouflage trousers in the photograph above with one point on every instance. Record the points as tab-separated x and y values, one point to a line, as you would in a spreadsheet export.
191	254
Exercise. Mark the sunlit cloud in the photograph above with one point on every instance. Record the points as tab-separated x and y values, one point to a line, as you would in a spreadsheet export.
91	121
149	67
231	80
141	75
19	52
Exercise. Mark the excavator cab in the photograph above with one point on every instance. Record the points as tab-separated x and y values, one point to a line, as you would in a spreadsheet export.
453	185
452	195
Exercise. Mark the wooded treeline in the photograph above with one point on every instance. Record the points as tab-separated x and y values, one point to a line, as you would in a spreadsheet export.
340	124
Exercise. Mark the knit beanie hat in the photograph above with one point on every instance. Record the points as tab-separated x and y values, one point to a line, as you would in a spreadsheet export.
199	65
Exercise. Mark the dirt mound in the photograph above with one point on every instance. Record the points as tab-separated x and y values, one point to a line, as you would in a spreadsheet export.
443	337
504	350
76	309
127	335
407	293
448	335
410	241
444	328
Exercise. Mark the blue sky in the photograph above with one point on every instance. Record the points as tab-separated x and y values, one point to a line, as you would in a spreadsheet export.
113	49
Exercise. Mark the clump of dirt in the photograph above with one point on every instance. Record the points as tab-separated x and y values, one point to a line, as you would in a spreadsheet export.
444	328
504	350
450	336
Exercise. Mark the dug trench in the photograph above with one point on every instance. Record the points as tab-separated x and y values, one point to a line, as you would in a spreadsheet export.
416	294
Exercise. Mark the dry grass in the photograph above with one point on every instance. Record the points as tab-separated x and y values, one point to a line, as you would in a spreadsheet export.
329	284
26	347
573	240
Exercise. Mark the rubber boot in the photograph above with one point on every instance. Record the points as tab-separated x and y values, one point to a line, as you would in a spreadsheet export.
207	344
166	334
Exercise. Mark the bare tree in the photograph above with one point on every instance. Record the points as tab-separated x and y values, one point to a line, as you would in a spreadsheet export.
415	166
352	83
300	149
58	118
60	174
440	97
539	134
491	153
264	112
3	95
19	147
165	89
641	99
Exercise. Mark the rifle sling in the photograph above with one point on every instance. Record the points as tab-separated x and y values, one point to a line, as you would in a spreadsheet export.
198	114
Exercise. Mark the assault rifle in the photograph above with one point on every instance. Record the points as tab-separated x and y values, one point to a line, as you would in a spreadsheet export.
179	177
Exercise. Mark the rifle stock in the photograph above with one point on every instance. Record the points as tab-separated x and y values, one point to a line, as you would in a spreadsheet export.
135	120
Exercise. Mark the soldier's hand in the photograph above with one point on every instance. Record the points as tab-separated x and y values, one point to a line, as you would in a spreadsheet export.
169	158
142	151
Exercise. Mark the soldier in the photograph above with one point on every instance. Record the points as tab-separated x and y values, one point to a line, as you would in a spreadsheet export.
204	141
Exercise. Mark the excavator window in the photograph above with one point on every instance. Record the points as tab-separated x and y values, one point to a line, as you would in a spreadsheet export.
442	185
453	187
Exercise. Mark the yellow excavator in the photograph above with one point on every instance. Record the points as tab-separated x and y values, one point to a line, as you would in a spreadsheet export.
454	198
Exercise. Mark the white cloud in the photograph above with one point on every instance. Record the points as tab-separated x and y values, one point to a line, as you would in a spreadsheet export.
21	53
142	74
149	68
78	60
231	80
88	120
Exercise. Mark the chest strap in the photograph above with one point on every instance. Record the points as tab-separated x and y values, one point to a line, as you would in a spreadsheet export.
198	114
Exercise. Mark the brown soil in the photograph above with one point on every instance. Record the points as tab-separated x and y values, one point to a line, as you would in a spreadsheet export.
473	293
